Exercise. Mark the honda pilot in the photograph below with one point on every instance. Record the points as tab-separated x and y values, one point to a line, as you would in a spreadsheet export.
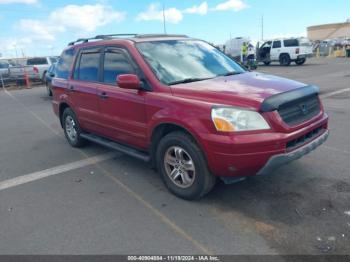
185	107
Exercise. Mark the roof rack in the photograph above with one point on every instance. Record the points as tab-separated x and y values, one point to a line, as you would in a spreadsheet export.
159	35
112	36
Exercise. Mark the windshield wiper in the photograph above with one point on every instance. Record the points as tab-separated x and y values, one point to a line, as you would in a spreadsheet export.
230	74
187	80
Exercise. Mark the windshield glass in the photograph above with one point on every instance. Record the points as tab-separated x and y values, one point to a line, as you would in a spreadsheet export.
176	61
53	60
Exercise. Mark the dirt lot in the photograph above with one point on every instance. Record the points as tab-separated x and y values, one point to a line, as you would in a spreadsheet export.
113	204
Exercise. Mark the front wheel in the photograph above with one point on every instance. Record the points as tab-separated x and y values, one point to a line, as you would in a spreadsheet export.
300	61
72	129
182	167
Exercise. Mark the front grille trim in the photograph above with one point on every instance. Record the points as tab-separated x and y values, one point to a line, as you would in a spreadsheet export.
301	110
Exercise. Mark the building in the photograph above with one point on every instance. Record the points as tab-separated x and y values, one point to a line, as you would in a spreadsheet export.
329	31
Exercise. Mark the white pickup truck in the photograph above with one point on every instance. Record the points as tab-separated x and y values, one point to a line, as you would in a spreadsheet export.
41	65
285	51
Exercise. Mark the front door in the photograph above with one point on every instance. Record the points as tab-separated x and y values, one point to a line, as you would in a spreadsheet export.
122	111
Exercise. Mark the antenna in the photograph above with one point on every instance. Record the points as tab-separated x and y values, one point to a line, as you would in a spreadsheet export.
262	27
164	22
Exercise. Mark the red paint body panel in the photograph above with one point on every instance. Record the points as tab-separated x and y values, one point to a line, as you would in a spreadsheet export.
130	116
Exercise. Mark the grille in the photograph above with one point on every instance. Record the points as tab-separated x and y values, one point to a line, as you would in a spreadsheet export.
304	139
301	110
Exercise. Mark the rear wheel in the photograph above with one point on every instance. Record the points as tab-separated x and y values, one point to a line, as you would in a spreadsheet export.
300	61
285	60
182	167
72	129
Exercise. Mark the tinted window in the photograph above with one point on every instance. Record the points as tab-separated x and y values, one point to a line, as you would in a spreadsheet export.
115	64
174	61
53	60
37	61
291	42
276	44
88	67
64	64
4	65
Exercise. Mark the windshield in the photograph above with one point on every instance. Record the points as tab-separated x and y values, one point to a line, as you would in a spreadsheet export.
181	61
53	60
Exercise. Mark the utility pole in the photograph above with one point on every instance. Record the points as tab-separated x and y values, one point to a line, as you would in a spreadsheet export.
164	22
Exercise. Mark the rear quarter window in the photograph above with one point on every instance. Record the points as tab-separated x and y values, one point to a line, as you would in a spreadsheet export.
291	43
64	63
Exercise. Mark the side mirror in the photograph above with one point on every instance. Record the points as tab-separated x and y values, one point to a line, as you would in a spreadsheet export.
129	81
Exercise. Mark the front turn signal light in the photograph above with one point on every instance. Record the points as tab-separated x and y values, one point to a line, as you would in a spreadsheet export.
223	125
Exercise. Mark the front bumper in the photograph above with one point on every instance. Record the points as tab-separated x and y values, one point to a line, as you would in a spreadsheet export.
282	159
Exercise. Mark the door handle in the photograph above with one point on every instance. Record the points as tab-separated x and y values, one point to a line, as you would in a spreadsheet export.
103	95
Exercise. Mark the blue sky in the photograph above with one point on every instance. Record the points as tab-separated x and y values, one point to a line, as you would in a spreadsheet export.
38	27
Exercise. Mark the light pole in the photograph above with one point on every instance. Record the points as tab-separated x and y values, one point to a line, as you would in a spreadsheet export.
164	22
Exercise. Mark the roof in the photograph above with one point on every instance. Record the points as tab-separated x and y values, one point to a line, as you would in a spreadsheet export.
130	37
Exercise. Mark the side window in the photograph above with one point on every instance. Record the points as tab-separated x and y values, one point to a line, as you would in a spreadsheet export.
88	67
64	63
115	63
291	43
276	44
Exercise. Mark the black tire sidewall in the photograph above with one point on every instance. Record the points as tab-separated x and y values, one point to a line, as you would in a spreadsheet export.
79	141
48	89
300	61
195	191
285	60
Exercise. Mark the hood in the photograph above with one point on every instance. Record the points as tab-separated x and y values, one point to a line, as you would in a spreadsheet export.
246	90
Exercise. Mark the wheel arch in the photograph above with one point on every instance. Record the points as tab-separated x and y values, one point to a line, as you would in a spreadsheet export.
282	54
163	129
63	106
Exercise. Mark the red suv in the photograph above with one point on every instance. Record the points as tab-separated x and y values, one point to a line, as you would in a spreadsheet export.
185	107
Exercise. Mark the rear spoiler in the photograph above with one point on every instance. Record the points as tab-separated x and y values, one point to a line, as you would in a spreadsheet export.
274	102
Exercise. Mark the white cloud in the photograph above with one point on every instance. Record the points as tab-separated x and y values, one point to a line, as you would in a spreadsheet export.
154	12
202	9
236	5
38	30
73	18
28	2
86	17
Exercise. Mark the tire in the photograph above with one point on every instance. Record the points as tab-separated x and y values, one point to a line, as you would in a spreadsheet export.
300	61
179	147
48	89
285	60
267	63
72	129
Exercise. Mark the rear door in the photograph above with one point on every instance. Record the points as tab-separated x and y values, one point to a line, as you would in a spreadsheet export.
122	111
82	89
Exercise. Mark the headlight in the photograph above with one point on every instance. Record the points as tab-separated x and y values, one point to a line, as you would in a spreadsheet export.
230	119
